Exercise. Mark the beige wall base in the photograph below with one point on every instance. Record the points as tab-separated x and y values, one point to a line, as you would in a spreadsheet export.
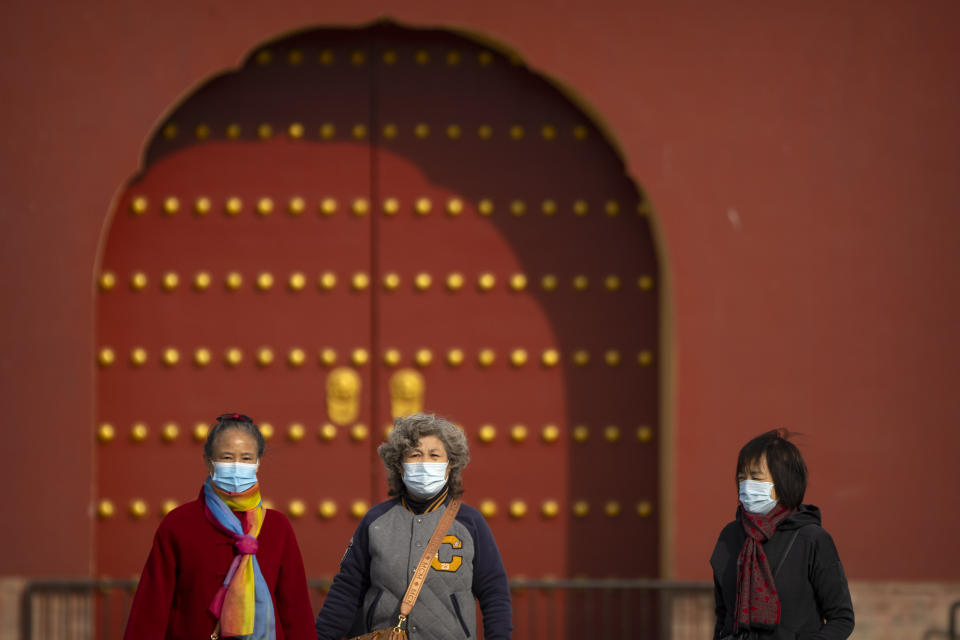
884	611
896	610
10	591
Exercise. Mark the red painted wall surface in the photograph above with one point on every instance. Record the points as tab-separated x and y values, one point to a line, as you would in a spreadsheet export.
802	158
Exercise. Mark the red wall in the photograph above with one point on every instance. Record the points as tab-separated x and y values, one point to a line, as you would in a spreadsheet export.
802	158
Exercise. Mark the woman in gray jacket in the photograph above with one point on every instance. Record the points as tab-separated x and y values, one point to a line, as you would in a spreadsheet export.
424	456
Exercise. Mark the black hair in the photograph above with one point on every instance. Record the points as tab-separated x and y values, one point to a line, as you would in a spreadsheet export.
786	465
229	421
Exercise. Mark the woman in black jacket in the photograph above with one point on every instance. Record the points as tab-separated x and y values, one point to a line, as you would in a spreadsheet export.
776	572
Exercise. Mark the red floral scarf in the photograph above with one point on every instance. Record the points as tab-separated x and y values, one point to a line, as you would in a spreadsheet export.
758	605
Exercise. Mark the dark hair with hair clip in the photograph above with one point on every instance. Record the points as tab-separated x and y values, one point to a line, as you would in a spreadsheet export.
786	465
227	421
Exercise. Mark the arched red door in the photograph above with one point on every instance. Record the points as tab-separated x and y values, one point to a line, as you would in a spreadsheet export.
362	223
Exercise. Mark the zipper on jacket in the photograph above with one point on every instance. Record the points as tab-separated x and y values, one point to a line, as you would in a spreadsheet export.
373	607
456	610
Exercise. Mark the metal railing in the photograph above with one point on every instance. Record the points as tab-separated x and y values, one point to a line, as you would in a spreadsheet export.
542	609
669	610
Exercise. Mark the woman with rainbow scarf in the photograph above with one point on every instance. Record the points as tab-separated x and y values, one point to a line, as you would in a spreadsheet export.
222	566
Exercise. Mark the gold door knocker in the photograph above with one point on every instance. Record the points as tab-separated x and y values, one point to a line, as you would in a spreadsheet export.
343	395
406	392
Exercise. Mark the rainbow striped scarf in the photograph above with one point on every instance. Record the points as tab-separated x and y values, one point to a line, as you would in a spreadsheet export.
243	604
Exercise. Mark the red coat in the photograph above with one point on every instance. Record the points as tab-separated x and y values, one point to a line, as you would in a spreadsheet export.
186	567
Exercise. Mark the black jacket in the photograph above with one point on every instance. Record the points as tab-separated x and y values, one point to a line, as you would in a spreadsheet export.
814	598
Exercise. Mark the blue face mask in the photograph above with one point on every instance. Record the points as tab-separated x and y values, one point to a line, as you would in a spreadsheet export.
755	496
424	479
234	477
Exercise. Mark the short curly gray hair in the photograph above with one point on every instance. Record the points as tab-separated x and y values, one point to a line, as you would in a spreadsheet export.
406	435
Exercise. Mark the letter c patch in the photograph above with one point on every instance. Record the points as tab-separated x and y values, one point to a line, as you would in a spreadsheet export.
455	561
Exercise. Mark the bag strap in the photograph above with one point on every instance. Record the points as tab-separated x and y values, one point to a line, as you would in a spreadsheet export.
783	558
420	575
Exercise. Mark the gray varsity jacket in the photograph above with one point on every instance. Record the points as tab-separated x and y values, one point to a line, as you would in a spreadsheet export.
381	558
